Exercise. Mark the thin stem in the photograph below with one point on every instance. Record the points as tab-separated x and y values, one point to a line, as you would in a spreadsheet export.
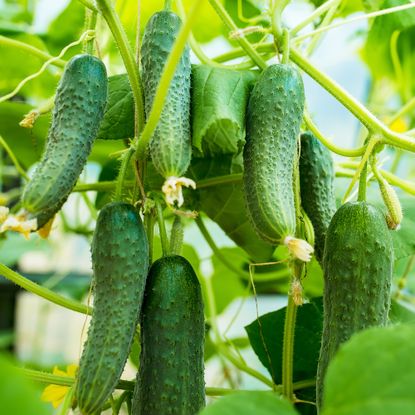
216	251
239	52
88	4
355	19
67	402
176	238
332	147
288	349
313	16
223	14
42	291
162	229
165	80
361	197
13	158
32	50
219	180
108	12
90	23
408	107
122	173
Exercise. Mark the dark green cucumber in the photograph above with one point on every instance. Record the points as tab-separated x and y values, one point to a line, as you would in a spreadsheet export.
275	111
120	263
171	375
170	146
79	107
317	190
358	264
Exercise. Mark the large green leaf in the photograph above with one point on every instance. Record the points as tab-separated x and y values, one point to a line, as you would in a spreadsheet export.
225	204
266	337
373	374
249	403
219	98
118	122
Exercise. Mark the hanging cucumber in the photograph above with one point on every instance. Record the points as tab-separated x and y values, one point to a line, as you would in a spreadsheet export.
171	375
274	115
317	190
79	107
358	265
120	263
170	145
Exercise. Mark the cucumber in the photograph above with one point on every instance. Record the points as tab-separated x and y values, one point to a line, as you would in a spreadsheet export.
170	379
79	107
274	115
120	263
358	265
317	191
170	146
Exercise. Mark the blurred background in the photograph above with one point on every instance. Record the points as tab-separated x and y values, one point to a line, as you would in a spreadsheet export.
41	335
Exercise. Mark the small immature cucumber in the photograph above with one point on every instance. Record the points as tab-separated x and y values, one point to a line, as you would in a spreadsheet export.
170	146
274	115
317	190
79	107
170	379
358	265
120	262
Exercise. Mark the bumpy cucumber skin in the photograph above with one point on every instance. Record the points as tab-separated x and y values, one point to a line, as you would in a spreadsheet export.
358	266
79	107
120	263
170	146
317	189
170	380
275	111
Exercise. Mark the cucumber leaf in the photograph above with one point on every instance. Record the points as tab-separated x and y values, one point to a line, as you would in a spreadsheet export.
373	374
118	121
248	403
266	337
219	98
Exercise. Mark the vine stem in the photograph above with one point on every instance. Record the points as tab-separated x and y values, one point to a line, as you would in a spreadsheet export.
164	83
122	173
13	158
127	385
108	12
42	291
223	14
32	50
162	229
361	196
288	349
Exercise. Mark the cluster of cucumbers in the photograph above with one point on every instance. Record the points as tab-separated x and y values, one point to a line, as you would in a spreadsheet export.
352	244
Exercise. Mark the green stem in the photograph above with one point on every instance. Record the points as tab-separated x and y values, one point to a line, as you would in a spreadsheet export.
90	24
240	52
165	80
219	180
167	4
162	229
122	173
285	44
176	238
13	158
67	402
361	197
288	349
42	291
408	107
88	4
216	251
108	12
44	56
252	53
332	147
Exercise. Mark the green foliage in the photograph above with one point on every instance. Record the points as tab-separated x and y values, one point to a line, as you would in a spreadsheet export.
373	374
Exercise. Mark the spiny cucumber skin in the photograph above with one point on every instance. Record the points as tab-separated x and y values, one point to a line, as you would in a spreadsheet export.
170	380
317	189
358	266
120	263
79	108
274	115
170	146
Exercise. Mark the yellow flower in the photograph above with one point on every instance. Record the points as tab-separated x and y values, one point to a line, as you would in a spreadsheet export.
56	393
172	189
299	248
399	125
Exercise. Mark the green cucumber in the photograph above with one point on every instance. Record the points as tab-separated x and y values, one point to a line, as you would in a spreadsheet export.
170	379
274	115
79	107
358	265
120	263
317	190
170	145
